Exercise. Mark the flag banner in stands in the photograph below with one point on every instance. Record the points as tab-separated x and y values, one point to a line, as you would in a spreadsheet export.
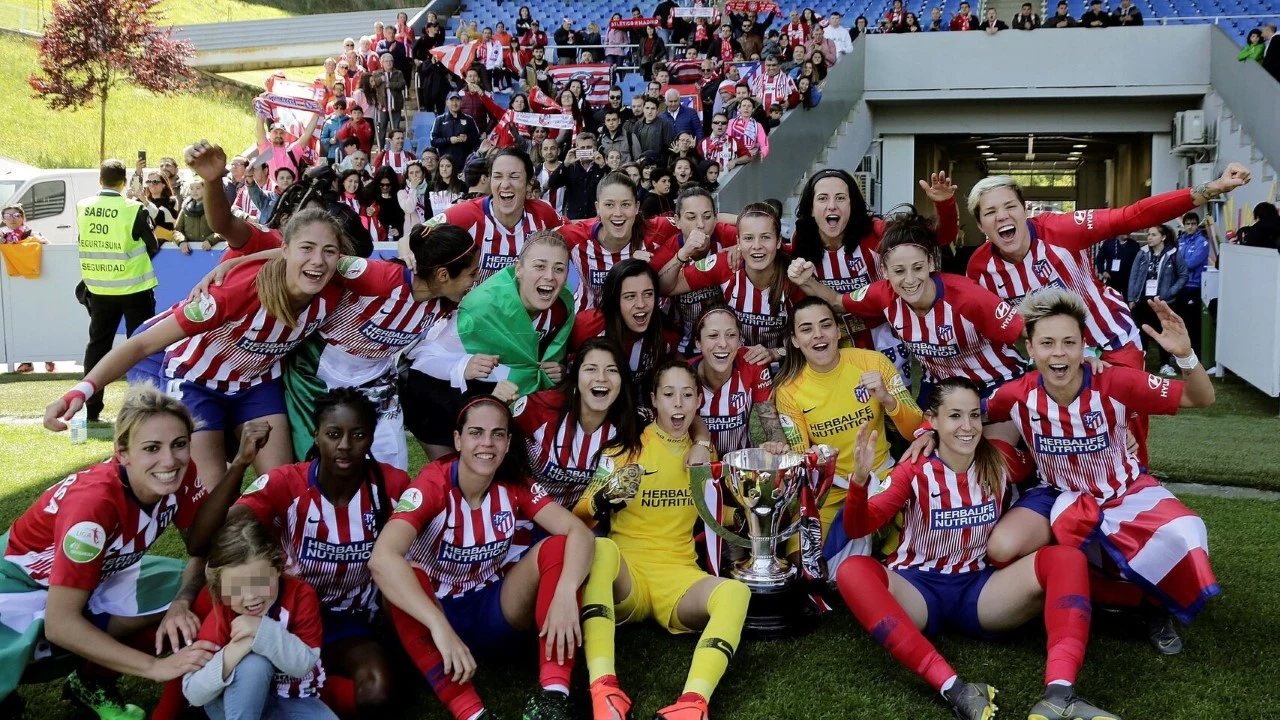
292	103
559	122
751	6
539	101
633	23
693	12
689	95
456	58
685	71
594	77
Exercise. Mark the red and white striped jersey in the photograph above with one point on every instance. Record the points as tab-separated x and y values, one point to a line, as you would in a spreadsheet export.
777	89
641	358
460	548
499	245
947	517
1082	445
722	149
327	546
376	318
762	323
232	342
245	206
594	261
397	161
90	526
552	196
1059	257
967	332
562	457
298	612
727	409
689	306
796	33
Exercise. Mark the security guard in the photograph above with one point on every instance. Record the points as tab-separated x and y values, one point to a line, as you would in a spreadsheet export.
117	242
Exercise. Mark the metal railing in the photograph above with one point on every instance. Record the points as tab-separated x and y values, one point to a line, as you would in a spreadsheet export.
1207	20
25	19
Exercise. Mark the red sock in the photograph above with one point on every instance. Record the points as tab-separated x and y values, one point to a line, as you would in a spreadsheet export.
339	693
460	698
551	674
1113	592
1064	574
864	585
172	702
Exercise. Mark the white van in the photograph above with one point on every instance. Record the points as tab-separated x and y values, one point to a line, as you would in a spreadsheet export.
49	197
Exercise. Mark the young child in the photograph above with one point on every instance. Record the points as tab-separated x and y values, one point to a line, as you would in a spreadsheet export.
268	626
15	226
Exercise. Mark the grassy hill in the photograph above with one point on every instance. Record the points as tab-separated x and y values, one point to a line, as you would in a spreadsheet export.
136	120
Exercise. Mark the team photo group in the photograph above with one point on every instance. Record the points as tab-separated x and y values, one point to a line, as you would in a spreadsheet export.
667	412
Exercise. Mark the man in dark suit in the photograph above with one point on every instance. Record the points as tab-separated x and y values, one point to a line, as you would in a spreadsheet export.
1271	55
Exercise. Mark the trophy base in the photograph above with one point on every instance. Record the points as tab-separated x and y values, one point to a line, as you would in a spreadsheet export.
777	613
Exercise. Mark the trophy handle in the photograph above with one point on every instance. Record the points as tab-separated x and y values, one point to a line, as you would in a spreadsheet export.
699	476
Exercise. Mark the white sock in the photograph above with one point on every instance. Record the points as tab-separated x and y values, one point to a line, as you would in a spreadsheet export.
557	688
478	714
949	683
1063	683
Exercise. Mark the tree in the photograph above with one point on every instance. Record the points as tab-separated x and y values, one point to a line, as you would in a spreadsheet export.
90	46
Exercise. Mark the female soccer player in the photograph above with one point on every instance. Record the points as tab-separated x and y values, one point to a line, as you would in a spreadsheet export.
628	315
460	524
327	513
838	234
939	578
1024	254
617	233
696	217
825	393
501	222
75	568
566	428
222	351
384	309
509	336
756	288
731	385
648	566
1094	490
948	322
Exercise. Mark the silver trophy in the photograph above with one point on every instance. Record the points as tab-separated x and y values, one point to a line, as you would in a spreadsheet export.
768	490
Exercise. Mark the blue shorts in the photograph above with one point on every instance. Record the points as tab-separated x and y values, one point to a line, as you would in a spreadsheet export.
211	409
1039	499
477	618
342	625
952	599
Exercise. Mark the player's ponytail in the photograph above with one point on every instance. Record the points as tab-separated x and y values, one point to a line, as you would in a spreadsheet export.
989	465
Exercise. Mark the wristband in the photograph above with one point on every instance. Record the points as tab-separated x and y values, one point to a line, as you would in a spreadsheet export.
1189	362
925	427
84	390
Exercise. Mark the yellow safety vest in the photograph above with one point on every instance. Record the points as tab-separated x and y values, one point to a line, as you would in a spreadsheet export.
112	261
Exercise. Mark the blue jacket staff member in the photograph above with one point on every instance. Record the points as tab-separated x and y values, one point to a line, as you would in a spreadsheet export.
1196	249
117	243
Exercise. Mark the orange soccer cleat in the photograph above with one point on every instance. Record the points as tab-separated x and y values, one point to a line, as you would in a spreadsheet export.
689	706
608	702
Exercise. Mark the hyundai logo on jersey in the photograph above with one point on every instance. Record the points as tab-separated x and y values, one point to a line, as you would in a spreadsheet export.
1093	420
504	522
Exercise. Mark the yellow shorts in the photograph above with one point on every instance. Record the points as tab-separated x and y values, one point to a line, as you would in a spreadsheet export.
656	589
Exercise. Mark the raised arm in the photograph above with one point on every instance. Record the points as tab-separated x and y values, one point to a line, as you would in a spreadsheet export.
210	163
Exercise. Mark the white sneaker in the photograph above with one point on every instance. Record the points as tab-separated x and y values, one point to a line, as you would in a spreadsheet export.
1217	370
1168	371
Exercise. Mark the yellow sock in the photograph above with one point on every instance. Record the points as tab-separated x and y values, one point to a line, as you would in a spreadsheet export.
598	622
727	607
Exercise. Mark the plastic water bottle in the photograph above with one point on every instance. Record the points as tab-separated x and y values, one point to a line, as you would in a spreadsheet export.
80	426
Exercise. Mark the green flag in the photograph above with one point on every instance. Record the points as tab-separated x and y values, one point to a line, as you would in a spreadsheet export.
493	321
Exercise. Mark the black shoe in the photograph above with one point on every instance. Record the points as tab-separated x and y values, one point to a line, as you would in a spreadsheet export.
1060	702
1162	633
548	705
972	701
